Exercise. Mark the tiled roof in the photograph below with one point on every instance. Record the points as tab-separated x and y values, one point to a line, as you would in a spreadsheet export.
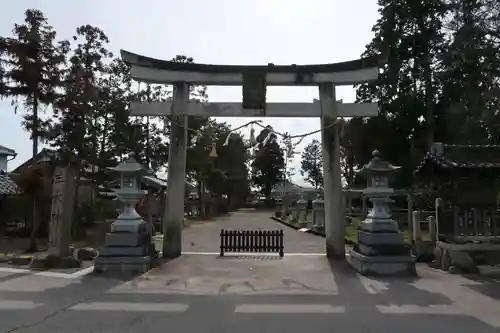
7	151
465	157
7	185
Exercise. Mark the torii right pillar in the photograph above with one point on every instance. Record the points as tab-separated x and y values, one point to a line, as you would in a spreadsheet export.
332	180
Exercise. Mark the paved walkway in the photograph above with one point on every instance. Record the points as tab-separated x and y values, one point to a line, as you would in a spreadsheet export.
204	236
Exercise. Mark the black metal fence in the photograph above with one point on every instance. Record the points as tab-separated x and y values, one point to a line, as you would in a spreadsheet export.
251	241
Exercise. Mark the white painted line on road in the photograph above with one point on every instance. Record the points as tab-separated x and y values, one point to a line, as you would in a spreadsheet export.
288	308
373	286
74	275
298	254
256	254
130	306
82	272
417	309
18	305
14	270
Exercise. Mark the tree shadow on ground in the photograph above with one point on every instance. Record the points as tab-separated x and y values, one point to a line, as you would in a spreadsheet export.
380	291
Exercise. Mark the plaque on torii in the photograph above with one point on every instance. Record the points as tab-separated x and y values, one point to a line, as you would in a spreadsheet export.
254	81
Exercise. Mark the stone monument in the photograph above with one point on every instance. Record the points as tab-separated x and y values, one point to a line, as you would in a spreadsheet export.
381	249
127	248
63	193
59	254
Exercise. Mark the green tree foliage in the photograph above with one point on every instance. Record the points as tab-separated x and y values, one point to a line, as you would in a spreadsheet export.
312	164
469	74
269	163
440	82
78	109
33	62
89	92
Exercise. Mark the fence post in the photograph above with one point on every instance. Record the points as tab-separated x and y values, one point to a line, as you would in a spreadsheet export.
221	242
280	243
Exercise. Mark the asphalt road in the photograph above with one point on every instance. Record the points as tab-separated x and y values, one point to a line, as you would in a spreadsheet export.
310	298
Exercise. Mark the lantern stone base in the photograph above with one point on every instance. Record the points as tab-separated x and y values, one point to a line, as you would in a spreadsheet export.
44	262
123	265
383	254
382	265
127	248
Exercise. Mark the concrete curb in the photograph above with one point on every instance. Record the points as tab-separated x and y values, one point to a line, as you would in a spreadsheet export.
309	231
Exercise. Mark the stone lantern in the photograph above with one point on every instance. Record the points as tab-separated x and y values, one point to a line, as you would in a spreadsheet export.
278	208
318	206
128	247
301	211
381	248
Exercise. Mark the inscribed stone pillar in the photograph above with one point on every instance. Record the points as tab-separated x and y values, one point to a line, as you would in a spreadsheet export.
174	208
334	209
61	215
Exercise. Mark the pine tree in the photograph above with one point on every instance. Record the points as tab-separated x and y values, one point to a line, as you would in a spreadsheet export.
33	63
34	69
470	67
269	163
408	35
312	164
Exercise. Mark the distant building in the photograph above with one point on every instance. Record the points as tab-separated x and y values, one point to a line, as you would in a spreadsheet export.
287	187
7	184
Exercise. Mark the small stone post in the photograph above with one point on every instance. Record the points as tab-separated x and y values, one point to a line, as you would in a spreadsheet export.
416	230
301	211
432	228
318	213
381	248
286	206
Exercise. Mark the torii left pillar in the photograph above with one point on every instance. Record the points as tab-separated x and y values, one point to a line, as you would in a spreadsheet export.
173	217
334	203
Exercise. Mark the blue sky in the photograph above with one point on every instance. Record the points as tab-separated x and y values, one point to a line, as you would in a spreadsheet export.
245	32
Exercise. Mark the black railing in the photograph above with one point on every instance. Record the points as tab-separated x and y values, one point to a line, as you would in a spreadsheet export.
251	241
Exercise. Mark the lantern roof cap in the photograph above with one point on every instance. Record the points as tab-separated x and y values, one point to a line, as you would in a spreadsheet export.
129	165
377	165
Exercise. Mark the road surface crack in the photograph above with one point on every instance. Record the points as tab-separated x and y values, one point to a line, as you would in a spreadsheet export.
47	317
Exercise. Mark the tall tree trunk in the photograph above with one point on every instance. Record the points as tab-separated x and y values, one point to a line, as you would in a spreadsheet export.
35	223
201	199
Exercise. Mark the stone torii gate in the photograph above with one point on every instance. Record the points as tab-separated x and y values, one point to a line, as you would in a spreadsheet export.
254	80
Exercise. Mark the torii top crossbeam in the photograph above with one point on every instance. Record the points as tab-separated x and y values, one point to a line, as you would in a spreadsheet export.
155	71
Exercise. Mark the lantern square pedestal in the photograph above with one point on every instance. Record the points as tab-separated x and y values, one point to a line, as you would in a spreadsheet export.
382	265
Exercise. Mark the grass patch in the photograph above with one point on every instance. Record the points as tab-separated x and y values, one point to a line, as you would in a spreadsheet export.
351	232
